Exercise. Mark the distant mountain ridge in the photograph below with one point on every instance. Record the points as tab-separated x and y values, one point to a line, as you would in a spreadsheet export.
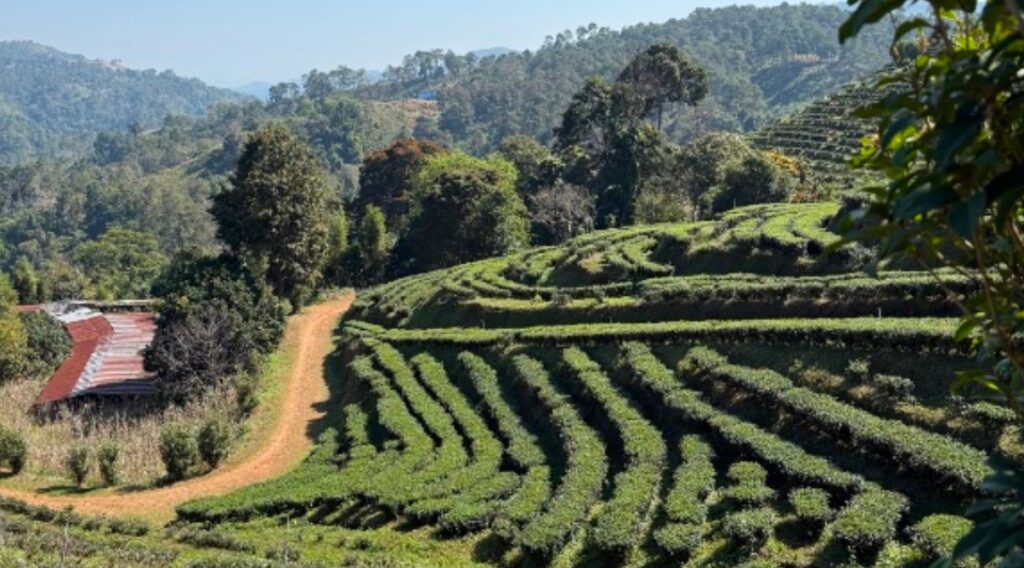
53	104
762	63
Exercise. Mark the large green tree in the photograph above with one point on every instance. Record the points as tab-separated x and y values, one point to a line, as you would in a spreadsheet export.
464	209
388	176
276	212
121	264
606	138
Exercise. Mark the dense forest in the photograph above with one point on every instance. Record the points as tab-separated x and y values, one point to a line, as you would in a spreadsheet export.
762	63
53	104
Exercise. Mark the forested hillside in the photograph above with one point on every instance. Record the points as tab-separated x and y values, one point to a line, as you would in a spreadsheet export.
762	64
156	182
52	104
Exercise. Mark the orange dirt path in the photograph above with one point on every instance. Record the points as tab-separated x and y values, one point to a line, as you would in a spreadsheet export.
307	343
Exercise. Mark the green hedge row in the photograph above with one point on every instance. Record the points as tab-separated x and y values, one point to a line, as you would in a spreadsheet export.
869	521
685	505
394	485
692	482
526	504
586	464
485	450
451	454
918	334
910	446
623	519
787	458
522	446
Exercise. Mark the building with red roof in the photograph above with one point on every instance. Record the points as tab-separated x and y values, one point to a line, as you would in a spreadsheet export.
106	353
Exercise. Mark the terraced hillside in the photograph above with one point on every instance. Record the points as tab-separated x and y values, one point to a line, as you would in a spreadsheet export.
826	133
648	396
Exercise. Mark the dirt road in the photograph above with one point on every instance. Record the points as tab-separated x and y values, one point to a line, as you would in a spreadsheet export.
307	343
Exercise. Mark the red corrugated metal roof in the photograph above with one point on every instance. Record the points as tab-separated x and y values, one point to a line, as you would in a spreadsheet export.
106	356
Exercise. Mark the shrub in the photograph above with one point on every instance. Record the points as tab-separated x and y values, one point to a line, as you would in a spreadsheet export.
214	441
859	368
78	464
13	451
749	487
869	521
990	415
899	388
247	393
128	527
109	456
749	528
178	450
810	505
680	538
937	535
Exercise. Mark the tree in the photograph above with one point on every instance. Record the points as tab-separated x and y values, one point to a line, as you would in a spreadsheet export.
720	171
13	338
62	280
950	143
48	344
26	282
275	212
215	317
374	243
604	137
662	75
464	209
536	165
339	248
317	84
387	178
121	264
562	211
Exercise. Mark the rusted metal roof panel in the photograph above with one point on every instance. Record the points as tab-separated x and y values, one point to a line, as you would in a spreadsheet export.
106	356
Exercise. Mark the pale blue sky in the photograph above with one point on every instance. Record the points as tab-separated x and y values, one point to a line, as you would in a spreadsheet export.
231	42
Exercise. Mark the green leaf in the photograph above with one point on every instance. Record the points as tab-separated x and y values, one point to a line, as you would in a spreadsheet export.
954	137
897	126
907	27
965	330
867	12
965	215
922	200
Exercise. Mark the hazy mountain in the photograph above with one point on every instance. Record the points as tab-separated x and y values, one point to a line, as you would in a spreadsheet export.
491	52
52	104
257	89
